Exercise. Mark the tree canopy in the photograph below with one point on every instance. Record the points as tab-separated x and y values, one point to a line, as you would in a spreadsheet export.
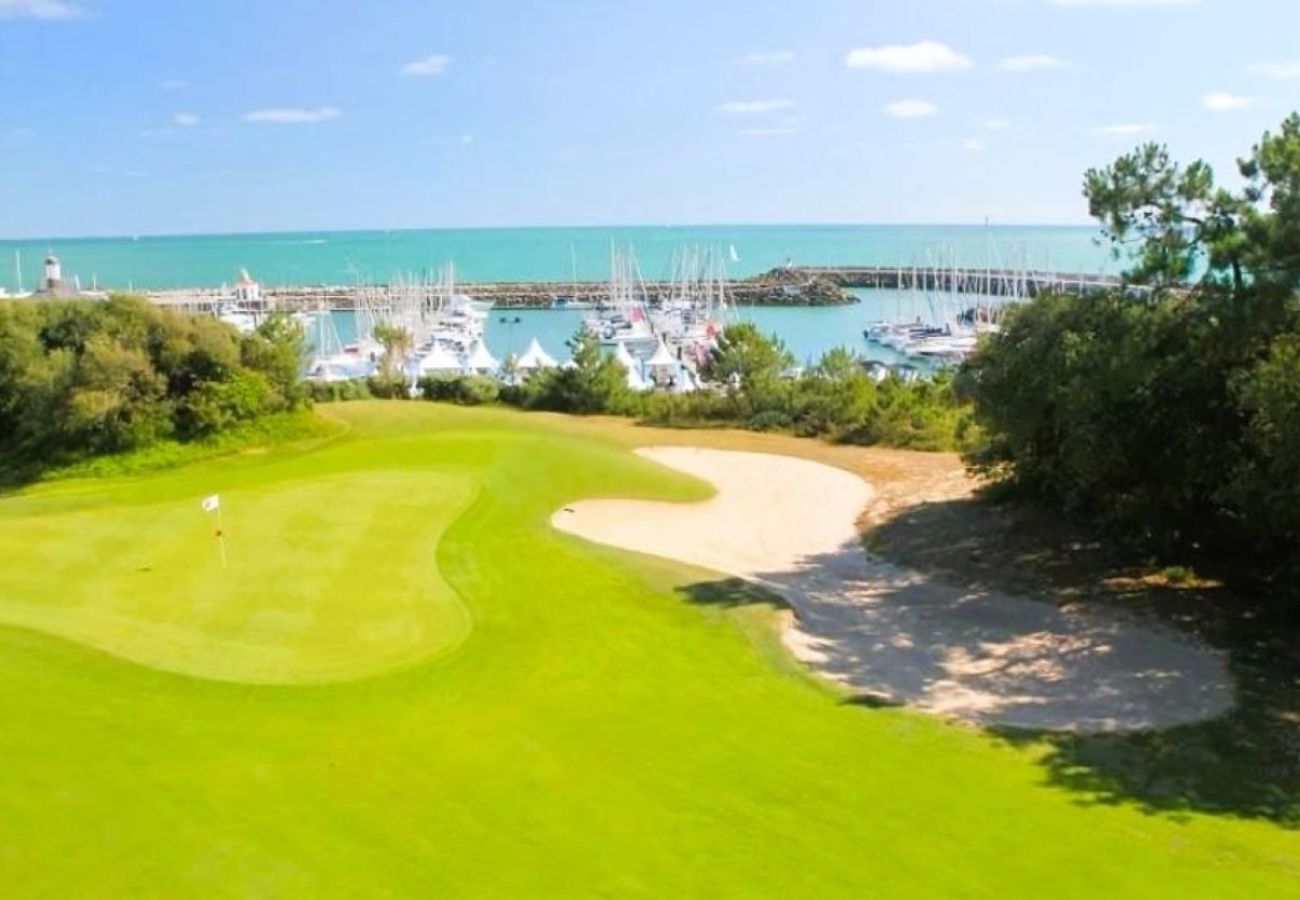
1170	416
80	378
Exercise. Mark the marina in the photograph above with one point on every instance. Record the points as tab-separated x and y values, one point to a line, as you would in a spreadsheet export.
904	320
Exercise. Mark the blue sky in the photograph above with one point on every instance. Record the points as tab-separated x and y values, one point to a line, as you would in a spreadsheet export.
159	116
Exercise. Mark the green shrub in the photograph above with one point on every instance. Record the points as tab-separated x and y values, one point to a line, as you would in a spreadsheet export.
81	378
465	390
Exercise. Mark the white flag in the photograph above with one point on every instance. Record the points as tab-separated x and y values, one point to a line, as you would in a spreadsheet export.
211	503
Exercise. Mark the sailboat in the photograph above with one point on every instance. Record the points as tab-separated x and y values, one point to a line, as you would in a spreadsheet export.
624	319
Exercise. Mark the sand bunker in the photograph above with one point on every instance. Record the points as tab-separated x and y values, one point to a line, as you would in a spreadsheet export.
982	656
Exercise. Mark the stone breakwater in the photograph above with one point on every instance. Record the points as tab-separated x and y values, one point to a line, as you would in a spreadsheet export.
760	291
793	286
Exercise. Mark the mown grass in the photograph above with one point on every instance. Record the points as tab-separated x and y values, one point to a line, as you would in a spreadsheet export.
607	725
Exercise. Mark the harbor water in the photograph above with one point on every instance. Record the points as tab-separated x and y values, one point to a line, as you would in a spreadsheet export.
807	332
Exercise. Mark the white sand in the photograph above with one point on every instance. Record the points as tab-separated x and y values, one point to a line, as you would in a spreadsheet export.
880	630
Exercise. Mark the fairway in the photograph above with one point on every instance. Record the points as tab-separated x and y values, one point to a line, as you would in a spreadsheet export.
406	683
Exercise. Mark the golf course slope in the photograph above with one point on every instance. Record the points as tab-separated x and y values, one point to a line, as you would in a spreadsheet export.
406	683
789	525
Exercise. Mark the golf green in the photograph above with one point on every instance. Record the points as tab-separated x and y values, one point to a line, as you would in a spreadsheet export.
405	683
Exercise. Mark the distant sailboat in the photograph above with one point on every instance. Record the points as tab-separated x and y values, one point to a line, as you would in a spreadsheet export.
735	257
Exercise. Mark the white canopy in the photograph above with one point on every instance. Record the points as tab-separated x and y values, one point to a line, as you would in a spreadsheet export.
686	382
535	358
636	382
625	357
480	360
662	357
630	364
439	359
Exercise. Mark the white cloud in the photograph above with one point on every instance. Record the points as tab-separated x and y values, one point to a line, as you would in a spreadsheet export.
972	145
450	140
1282	69
778	131
1033	62
911	109
186	119
751	107
430	65
289	115
995	124
1123	2
923	56
172	84
1222	101
776	58
1125	128
39	9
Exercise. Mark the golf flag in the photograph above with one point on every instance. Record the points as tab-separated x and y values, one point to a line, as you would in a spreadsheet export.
211	503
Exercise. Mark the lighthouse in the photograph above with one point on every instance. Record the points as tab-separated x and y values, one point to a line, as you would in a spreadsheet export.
52	282
248	293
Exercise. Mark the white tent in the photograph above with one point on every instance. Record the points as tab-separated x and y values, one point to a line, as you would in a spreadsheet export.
535	358
635	380
625	357
686	382
439	359
480	360
662	358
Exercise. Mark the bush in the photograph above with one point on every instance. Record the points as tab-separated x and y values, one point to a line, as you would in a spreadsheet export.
338	391
465	390
80	378
388	387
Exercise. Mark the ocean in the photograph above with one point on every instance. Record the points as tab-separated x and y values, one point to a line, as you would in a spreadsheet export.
536	254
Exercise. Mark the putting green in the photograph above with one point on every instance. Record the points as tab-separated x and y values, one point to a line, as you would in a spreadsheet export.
406	684
326	578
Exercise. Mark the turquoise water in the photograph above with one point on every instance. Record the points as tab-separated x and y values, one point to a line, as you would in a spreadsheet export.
525	254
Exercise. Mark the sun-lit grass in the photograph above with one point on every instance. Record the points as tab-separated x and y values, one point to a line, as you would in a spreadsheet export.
406	684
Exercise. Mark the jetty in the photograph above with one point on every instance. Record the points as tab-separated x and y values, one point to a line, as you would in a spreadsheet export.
987	282
783	286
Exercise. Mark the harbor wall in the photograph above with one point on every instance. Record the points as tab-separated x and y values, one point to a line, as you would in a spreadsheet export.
789	286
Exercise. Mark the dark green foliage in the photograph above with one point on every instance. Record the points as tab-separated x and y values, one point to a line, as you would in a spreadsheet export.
387	386
398	343
1171	418
595	383
834	399
466	390
81	378
750	366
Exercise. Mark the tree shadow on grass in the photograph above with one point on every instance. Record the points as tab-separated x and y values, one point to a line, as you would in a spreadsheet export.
731	593
1245	763
898	644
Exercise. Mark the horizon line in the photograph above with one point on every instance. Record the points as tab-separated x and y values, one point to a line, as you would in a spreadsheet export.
556	227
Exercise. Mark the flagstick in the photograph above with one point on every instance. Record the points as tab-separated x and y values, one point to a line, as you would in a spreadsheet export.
221	537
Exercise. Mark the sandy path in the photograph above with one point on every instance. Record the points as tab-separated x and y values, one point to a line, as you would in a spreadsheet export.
987	657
